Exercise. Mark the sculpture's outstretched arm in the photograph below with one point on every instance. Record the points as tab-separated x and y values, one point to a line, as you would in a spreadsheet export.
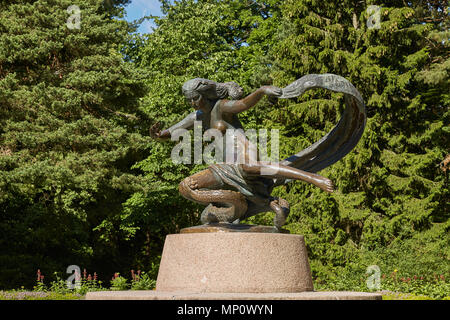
237	106
186	123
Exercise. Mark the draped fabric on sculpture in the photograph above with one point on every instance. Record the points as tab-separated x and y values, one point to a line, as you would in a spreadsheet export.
343	137
255	189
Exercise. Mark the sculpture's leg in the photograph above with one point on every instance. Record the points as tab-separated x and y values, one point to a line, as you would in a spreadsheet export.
281	208
222	205
281	171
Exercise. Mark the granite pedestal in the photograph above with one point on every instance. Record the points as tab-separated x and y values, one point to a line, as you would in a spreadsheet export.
221	263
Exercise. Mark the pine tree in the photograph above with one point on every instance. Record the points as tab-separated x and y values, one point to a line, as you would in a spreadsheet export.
67	135
389	188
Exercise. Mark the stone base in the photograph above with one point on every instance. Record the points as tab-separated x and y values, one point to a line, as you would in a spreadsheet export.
234	262
203	264
221	265
161	295
232	227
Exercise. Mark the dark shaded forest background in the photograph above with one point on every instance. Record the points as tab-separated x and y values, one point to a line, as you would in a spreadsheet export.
81	181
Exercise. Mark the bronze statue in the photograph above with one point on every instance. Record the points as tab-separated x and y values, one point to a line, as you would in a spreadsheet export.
235	191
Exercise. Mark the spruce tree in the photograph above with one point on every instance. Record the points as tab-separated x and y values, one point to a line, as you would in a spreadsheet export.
390	193
69	134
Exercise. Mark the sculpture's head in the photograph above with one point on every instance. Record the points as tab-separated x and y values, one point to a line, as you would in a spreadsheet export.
203	93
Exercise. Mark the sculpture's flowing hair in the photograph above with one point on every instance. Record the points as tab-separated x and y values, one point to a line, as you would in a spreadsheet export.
212	90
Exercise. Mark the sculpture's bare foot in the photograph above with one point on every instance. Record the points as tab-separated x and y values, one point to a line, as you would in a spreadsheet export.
327	185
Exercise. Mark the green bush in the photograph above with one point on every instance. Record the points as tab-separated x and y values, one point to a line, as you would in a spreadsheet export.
143	281
119	283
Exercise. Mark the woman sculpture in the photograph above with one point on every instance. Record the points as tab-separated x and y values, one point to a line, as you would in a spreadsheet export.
235	191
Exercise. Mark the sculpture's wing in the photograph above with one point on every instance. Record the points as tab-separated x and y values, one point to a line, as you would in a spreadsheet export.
343	137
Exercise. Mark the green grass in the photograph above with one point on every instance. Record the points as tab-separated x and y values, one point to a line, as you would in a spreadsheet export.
58	290
395	285
38	295
42	295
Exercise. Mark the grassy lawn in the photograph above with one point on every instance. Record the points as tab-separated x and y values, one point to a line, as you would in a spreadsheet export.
407	296
38	295
46	295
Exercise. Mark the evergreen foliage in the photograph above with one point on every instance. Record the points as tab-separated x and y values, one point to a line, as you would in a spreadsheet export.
81	182
389	188
67	137
390	192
